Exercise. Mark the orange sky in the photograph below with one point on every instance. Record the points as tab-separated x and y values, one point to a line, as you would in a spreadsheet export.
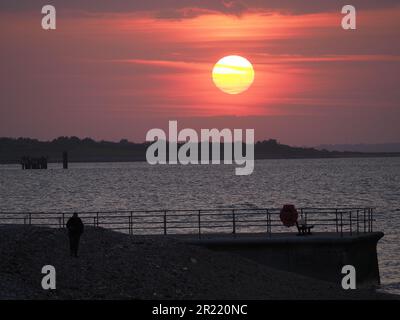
116	74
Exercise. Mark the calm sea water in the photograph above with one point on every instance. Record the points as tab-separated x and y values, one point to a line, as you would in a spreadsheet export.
310	183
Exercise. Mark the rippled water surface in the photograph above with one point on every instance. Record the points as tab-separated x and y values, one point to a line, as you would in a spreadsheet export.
311	183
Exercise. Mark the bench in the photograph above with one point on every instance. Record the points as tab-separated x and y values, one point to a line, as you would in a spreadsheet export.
304	229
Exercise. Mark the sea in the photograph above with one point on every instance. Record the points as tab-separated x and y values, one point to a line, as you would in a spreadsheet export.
350	182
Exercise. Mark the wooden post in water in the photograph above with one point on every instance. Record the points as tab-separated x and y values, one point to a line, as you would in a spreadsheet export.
65	160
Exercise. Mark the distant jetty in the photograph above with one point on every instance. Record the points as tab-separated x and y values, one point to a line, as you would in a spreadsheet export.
29	163
40	163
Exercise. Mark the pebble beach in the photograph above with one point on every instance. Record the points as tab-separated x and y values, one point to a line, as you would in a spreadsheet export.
113	265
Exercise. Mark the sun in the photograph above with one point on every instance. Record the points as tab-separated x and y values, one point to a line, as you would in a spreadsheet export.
233	74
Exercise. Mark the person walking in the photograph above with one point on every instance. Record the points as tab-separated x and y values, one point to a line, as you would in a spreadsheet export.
75	229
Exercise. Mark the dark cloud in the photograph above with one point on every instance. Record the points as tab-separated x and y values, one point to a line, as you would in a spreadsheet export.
178	9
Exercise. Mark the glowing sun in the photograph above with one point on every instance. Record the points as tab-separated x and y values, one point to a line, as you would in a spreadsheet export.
233	74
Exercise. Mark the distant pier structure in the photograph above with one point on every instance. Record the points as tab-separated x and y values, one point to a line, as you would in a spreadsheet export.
29	163
65	160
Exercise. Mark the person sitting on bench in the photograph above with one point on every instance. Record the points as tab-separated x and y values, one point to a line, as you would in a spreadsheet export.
303	227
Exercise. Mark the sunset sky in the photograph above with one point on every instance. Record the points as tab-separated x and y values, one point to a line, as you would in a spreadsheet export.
116	69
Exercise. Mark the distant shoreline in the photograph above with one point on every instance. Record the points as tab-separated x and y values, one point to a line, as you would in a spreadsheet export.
88	150
119	160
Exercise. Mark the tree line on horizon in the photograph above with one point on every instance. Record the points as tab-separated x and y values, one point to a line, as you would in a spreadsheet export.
89	150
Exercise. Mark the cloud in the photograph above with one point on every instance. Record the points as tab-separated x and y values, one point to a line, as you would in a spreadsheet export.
180	9
275	59
169	65
184	13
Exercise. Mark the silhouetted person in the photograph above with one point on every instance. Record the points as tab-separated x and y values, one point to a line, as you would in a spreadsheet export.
75	230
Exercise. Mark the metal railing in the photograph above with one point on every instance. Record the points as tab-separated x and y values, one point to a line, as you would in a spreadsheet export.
349	221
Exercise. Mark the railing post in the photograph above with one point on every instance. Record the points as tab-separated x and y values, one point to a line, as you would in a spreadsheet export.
337	226
233	222
268	223
97	219
358	222
165	222
63	219
369	219
351	224
199	222
372	219
365	222
131	223
341	223
303	215
30	218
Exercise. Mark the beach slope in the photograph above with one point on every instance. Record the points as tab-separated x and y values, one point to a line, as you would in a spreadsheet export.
113	265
